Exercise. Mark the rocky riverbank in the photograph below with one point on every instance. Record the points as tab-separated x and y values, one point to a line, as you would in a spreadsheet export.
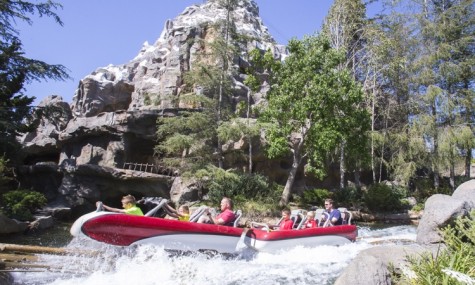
371	266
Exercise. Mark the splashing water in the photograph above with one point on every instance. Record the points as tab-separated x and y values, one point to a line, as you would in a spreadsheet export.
149	265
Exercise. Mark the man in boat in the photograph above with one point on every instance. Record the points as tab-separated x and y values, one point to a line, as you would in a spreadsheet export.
226	216
129	206
334	215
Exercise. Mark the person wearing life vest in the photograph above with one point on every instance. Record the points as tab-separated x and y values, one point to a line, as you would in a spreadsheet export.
128	204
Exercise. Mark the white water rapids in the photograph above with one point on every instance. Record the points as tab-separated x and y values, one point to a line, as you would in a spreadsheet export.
147	265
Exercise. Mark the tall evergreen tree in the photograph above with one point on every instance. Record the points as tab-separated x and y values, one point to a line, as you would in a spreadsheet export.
16	70
344	26
182	138
446	82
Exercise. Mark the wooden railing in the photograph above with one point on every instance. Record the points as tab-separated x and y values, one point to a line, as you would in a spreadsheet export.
150	168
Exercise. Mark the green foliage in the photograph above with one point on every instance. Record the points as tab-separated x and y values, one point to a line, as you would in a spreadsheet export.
4	178
315	196
16	70
237	186
424	188
347	197
312	105
185	141
20	204
459	256
382	197
418	207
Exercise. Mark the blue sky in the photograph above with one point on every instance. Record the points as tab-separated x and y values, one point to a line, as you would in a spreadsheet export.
97	33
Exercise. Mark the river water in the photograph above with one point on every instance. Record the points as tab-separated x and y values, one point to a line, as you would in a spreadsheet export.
147	265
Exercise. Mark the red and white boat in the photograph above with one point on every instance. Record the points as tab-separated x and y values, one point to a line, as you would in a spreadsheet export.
126	230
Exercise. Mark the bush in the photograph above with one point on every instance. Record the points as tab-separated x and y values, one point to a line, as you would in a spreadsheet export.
315	197
19	204
347	197
240	187
382	197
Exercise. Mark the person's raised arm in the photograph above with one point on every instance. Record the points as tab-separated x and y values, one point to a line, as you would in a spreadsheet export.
111	209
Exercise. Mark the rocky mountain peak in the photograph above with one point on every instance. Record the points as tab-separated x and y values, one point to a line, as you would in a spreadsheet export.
156	74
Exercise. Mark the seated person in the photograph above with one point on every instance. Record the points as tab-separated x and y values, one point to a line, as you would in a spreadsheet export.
310	222
226	217
286	223
129	205
334	215
183	213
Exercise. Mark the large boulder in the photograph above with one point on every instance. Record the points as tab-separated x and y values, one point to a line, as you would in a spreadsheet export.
442	210
10	226
370	267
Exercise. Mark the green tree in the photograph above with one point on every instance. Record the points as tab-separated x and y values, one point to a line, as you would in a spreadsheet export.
312	106
186	140
447	29
345	27
190	140
16	70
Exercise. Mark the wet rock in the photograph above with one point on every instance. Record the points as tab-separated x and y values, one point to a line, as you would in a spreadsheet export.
10	226
41	223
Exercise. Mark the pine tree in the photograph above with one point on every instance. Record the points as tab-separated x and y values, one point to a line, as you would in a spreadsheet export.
16	70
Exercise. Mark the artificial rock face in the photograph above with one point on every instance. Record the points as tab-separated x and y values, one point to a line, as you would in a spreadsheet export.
112	119
154	79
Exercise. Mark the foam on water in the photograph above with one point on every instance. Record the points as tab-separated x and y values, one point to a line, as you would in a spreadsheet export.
154	265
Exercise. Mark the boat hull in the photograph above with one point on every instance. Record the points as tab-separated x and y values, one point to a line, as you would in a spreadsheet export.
272	241
126	230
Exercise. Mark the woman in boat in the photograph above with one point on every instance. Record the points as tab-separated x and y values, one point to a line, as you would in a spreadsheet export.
226	217
334	215
128	204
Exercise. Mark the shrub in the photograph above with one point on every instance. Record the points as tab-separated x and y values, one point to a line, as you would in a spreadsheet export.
20	204
382	197
347	197
240	187
315	197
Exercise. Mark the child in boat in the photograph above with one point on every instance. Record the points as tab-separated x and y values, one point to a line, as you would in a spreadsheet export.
310	222
183	213
129	205
286	223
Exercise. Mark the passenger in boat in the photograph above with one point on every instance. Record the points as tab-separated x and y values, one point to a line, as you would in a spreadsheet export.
334	215
226	217
129	205
183	213
285	223
310	221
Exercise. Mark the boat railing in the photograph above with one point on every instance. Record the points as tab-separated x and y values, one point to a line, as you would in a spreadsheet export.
346	216
298	217
262	226
154	210
238	215
321	217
